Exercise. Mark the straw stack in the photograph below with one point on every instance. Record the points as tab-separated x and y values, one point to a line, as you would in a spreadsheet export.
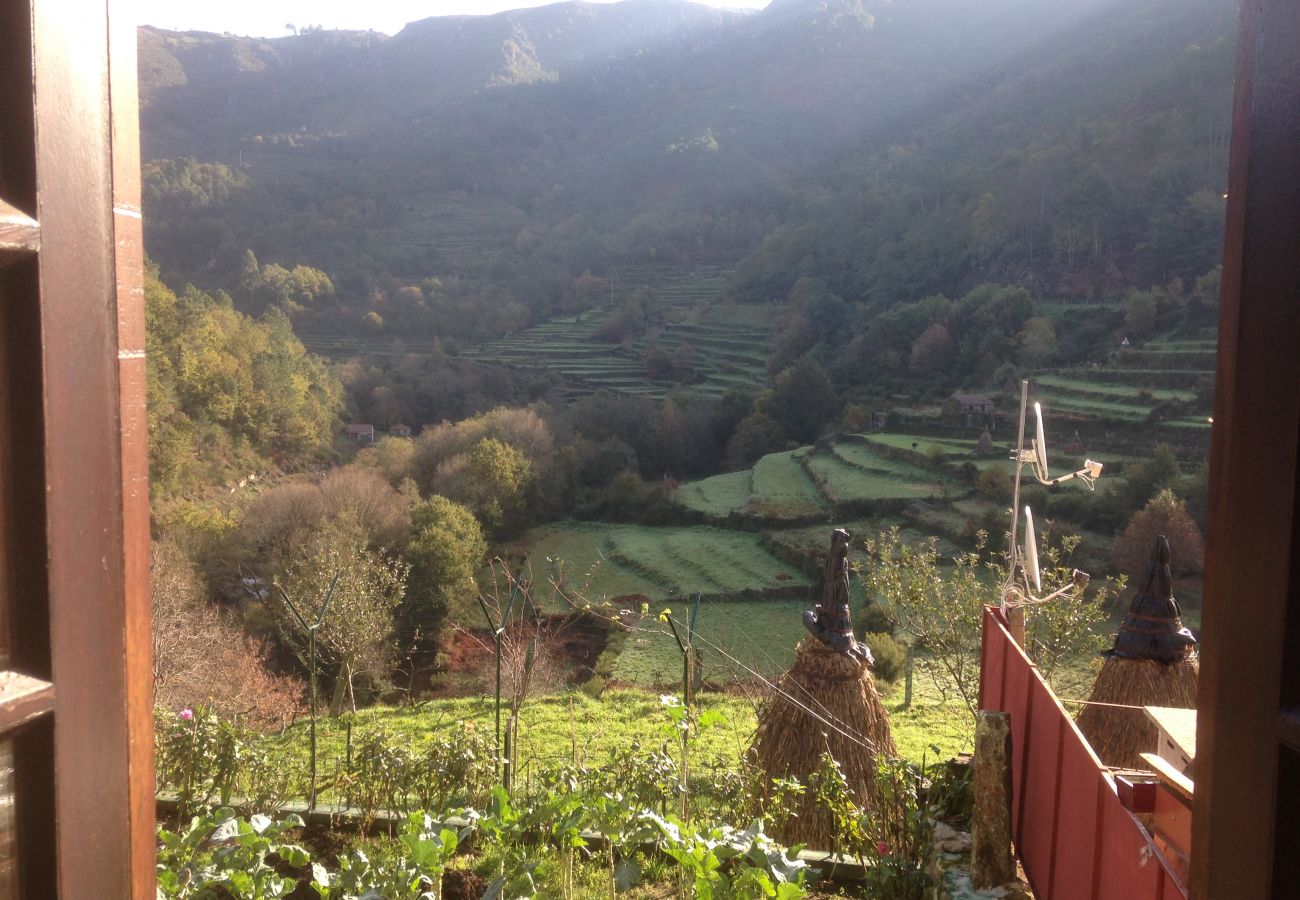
826	702
1153	663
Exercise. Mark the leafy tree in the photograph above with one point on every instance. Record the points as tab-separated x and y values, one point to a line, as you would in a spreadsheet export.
1140	313
356	637
392	457
228	394
803	401
1143	481
1164	514
942	607
445	554
1037	341
755	436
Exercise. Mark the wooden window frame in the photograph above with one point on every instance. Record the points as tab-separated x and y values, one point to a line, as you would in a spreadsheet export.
74	475
1246	825
74	504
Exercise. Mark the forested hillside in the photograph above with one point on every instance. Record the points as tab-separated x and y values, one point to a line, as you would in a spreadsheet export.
460	178
230	396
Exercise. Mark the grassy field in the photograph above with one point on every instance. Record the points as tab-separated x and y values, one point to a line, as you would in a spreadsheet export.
552	726
842	481
782	488
738	640
719	495
603	561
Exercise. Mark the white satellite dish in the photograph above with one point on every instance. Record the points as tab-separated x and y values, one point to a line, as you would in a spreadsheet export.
1040	445
1031	552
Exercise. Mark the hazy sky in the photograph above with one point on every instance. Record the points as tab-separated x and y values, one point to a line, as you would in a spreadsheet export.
267	18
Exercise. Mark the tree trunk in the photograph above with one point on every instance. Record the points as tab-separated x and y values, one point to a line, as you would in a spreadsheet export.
341	684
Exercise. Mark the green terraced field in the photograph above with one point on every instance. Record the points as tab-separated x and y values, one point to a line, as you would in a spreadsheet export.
1089	406
782	489
726	344
602	561
864	457
947	446
717	496
799	483
1063	384
737	639
843	482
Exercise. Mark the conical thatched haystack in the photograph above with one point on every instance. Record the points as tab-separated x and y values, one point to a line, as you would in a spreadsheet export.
1153	663
826	701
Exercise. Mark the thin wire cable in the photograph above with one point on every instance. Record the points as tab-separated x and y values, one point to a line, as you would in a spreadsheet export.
845	731
771	659
1099	703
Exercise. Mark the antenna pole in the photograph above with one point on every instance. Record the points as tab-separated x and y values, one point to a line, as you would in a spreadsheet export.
1015	497
1016	614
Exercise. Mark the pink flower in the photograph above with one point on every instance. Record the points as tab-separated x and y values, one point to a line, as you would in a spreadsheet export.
186	714
882	848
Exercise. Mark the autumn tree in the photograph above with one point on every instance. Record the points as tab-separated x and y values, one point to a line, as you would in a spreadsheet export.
201	655
229	394
1164	514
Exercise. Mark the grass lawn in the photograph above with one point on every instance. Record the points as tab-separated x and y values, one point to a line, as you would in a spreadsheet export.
737	639
565	727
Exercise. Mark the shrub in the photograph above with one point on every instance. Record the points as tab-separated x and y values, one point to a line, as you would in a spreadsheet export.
201	656
873	619
889	653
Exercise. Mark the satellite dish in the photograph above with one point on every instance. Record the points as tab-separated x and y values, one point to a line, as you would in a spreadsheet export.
1031	551
1040	445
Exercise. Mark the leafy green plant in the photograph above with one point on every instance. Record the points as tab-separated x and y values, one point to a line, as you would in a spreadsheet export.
725	863
889	654
505	831
899	831
414	872
198	756
220	855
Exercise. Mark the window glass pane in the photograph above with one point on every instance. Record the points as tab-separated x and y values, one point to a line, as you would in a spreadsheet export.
8	865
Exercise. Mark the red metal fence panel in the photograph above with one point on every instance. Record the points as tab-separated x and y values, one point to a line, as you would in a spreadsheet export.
1074	874
1074	836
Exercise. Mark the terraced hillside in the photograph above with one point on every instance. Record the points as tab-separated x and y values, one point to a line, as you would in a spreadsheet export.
713	347
599	562
809	483
1166	383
